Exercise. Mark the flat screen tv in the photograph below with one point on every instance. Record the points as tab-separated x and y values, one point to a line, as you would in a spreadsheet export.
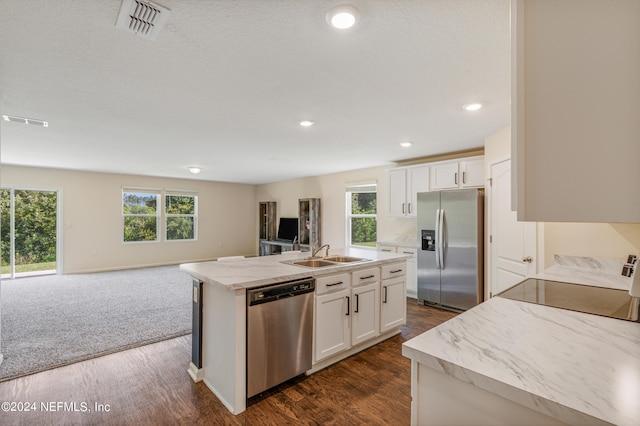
288	228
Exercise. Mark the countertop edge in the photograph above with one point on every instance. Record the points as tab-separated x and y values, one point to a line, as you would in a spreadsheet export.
287	272
502	389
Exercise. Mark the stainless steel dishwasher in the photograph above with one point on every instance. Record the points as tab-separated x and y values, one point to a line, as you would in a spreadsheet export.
279	333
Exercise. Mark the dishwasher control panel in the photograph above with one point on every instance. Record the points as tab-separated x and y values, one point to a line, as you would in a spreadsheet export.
279	291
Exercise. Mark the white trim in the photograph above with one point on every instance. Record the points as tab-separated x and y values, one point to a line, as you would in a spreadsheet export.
197	374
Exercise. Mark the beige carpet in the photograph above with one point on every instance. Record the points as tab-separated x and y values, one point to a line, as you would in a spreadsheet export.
50	321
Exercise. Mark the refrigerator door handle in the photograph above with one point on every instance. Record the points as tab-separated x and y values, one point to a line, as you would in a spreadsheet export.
441	238
437	242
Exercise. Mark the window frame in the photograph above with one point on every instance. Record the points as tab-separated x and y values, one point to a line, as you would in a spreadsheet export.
365	187
161	216
180	193
145	191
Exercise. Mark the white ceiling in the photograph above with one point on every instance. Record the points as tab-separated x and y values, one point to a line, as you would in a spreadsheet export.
226	82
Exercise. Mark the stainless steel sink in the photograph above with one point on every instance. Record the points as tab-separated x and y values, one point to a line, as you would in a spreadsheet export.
344	259
323	262
313	263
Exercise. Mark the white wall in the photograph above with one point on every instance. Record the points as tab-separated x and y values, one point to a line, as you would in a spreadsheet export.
331	190
92	218
604	240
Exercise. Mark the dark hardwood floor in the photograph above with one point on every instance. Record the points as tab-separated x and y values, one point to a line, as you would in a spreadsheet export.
150	385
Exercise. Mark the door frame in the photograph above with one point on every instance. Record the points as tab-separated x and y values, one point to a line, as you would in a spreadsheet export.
539	234
59	223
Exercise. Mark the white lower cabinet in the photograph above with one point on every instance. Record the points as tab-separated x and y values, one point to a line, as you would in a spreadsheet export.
332	324
332	333
411	279
347	310
393	304
365	311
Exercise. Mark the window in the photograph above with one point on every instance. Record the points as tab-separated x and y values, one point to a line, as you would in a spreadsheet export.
144	211
140	215
361	215
180	215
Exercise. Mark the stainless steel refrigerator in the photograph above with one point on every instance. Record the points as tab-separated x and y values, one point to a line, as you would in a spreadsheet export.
450	259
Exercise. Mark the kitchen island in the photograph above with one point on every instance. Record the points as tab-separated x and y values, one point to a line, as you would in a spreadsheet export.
512	362
220	290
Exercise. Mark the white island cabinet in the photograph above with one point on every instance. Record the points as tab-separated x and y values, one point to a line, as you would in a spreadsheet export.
506	362
346	313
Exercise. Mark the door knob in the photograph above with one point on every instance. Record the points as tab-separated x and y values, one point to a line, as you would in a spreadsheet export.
527	259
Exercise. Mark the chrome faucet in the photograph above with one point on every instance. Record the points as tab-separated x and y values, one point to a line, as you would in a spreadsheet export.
315	252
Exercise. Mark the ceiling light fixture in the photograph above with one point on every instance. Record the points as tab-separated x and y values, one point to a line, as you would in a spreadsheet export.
343	16
306	123
472	107
23	120
406	144
195	169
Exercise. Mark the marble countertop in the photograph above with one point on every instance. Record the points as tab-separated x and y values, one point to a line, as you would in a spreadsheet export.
402	240
587	270
257	271
576	367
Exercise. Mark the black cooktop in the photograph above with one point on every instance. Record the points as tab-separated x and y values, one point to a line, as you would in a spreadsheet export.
608	302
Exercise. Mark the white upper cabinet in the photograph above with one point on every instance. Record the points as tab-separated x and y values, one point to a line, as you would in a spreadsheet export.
575	110
468	173
404	184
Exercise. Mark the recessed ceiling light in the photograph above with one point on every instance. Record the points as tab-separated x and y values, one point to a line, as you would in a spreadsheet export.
406	144
343	16
472	107
195	169
24	120
306	123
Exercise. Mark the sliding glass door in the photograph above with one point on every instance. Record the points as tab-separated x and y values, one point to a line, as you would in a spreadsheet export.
29	231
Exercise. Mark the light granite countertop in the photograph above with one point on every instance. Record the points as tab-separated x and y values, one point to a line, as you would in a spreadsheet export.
576	367
264	270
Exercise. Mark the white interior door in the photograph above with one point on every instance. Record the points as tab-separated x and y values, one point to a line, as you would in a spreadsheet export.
513	243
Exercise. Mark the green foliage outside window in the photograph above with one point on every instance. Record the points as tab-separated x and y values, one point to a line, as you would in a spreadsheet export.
363	218
180	213
35	224
140	216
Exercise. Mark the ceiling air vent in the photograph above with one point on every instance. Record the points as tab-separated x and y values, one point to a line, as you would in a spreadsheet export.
143	18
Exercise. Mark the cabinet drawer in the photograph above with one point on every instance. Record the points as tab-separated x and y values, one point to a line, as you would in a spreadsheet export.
386	248
408	250
365	276
332	283
394	270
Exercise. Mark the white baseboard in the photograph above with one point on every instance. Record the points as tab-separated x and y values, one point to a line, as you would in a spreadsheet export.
1	358
197	374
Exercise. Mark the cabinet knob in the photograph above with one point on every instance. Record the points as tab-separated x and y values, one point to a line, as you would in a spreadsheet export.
527	259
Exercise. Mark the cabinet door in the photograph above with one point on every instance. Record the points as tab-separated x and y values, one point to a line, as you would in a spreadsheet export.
575	111
365	313
332	324
393	305
418	181
471	173
397	192
444	176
